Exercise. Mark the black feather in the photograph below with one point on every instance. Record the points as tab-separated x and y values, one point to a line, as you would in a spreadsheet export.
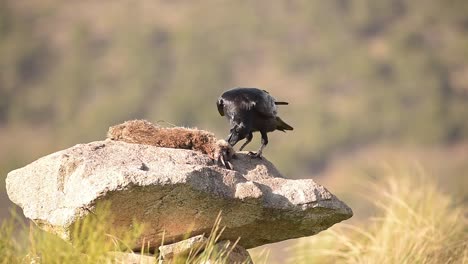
250	110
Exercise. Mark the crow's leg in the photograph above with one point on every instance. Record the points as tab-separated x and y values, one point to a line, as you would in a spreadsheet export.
247	141
228	137
264	143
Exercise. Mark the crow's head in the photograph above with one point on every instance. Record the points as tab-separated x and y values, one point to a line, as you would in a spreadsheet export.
237	133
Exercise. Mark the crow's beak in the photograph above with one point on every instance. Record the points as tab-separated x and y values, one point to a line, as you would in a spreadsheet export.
228	139
233	138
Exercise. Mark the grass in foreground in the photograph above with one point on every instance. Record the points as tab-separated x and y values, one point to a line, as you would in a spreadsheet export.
20	243
415	223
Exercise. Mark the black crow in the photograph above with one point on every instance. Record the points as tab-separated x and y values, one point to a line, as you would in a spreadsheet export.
250	110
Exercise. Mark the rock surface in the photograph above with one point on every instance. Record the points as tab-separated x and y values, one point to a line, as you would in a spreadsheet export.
171	191
226	250
237	254
194	244
131	258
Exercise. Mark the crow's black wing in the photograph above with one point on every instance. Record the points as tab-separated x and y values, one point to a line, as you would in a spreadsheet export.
266	106
241	100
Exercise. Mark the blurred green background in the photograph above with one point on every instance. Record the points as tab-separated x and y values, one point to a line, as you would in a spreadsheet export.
369	82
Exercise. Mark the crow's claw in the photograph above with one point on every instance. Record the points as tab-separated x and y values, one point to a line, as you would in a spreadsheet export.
254	155
223	154
224	161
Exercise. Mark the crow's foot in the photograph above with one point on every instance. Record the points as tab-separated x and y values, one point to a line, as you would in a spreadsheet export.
257	155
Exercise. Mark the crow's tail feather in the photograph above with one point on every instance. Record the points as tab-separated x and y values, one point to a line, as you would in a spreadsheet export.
281	103
281	125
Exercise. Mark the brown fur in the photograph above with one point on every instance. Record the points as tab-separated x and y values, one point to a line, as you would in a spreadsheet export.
144	132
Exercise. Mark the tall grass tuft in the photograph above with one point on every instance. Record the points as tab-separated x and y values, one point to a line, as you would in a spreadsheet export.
214	251
10	243
92	242
415	223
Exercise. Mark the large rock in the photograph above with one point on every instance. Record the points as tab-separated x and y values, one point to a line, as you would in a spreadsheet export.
171	190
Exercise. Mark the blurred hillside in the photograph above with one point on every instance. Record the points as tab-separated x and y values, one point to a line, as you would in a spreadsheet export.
357	73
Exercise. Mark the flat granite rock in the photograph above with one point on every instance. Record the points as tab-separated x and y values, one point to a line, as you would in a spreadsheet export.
171	191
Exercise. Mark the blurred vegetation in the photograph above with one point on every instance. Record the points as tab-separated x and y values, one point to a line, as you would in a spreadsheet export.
358	74
415	223
95	241
92	241
355	71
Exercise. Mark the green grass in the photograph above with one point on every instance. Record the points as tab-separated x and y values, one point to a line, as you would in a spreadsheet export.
92	243
212	252
415	223
22	243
